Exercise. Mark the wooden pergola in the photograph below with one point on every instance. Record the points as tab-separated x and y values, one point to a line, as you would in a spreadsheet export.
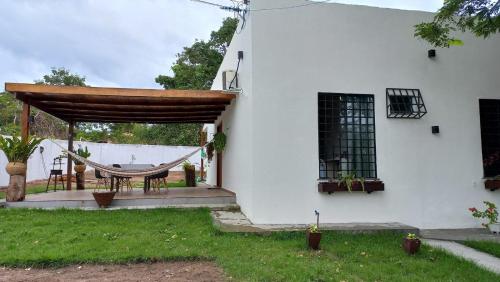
118	105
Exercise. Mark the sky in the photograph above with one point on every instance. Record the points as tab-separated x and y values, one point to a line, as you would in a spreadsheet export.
115	43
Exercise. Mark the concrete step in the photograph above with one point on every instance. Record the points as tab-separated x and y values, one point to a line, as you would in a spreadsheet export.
236	221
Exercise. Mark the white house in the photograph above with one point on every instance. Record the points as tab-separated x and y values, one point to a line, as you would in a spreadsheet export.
296	124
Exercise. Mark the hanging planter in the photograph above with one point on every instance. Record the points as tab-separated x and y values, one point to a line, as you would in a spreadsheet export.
219	142
210	151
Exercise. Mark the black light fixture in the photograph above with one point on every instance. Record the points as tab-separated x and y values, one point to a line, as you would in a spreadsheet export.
435	129
431	53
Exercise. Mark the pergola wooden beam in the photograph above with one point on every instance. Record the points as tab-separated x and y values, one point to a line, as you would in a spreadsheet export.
126	108
63	91
118	105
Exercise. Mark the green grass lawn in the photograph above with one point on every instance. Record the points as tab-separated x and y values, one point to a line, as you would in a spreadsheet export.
62	237
489	247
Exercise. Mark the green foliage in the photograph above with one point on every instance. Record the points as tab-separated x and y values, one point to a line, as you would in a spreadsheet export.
188	166
17	150
491	213
197	65
10	111
411	236
348	180
219	142
42	238
477	16
313	228
84	153
62	77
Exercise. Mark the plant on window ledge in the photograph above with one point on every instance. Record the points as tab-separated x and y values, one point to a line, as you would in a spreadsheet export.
348	179
350	182
492	183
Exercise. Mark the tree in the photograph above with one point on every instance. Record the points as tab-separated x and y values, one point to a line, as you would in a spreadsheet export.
197	65
477	16
62	77
195	68
46	125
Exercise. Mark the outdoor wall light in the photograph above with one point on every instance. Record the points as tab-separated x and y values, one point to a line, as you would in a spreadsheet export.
435	129
431	53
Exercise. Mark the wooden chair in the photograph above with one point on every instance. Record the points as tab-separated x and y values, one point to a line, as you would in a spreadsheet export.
158	179
101	180
123	181
56	172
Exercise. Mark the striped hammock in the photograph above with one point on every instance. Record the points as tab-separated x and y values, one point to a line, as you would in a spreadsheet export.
115	171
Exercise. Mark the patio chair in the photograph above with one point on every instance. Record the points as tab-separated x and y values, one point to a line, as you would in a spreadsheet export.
123	180
57	173
159	178
101	180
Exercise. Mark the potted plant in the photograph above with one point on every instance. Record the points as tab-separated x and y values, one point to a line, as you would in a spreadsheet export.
313	234
219	142
210	151
491	213
189	174
17	152
492	183
351	183
411	244
80	167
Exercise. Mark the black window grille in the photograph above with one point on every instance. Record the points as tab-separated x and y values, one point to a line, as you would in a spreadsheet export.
346	135
405	103
490	136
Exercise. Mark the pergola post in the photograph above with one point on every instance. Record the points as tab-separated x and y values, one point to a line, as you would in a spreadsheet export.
70	149
25	124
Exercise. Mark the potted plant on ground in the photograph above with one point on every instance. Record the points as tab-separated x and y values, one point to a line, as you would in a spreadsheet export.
80	168
411	244
313	234
491	213
17	152
189	174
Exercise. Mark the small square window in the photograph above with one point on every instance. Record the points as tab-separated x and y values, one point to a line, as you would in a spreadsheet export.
405	103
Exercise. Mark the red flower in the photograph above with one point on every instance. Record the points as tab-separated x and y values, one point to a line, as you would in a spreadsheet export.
473	209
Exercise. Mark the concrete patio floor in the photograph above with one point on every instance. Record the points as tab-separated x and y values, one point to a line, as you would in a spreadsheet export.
175	197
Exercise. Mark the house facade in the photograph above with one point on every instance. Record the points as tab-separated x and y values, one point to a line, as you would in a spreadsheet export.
329	89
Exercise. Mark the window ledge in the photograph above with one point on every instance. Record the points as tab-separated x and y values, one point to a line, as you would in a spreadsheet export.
336	186
492	184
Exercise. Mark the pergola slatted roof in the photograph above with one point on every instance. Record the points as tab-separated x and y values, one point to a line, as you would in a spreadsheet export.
123	105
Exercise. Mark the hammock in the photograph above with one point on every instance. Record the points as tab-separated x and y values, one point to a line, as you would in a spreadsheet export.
115	171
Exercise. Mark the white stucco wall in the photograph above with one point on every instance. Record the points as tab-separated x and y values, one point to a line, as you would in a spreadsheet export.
237	125
430	180
103	154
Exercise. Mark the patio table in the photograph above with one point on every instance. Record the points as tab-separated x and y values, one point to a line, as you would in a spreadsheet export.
126	167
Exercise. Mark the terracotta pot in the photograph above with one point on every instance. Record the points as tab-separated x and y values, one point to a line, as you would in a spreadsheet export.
15	168
104	199
80	168
411	246
313	240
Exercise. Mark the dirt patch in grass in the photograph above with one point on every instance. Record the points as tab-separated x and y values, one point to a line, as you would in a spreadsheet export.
168	271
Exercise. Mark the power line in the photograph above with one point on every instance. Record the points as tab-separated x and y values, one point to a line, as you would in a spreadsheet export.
290	7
